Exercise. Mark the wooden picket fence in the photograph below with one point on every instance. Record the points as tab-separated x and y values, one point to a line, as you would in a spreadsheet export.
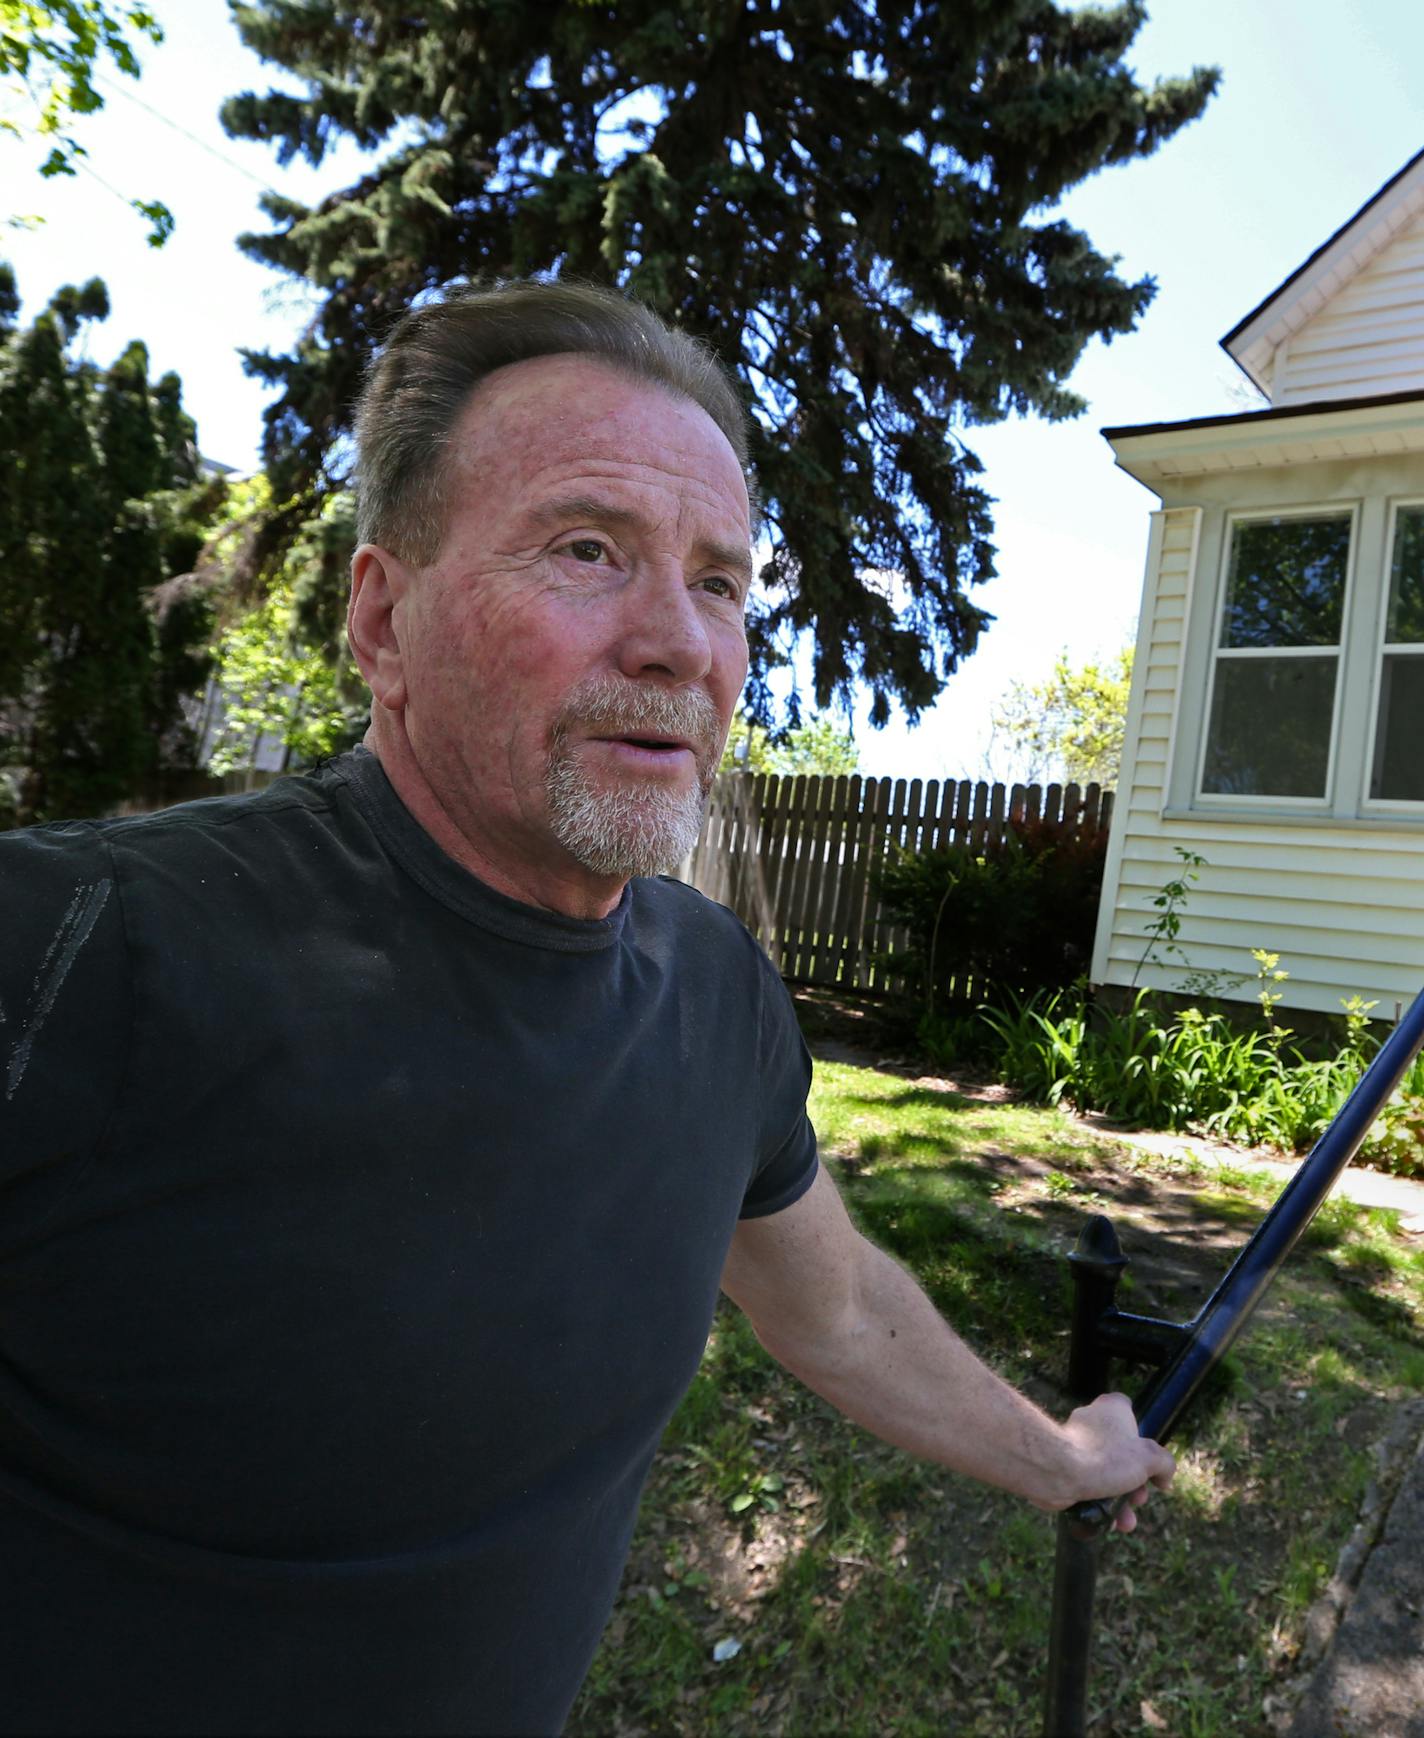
793	856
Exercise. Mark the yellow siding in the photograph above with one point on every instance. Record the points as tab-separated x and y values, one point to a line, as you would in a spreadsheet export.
1368	338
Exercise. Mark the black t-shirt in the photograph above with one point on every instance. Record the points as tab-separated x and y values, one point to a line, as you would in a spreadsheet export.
360	1229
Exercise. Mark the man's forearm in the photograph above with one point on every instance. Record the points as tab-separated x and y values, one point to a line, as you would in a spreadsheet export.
854	1326
896	1367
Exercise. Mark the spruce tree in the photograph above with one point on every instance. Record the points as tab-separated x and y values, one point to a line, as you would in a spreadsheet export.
16	602
852	200
87	486
58	582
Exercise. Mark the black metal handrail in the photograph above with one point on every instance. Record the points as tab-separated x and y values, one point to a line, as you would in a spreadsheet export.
1186	1353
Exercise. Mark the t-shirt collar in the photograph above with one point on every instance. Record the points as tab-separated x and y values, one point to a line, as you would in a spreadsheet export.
455	886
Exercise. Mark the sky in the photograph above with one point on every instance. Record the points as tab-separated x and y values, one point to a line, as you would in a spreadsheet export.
1321	102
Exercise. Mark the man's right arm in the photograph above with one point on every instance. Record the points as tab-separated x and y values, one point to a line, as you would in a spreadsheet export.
854	1326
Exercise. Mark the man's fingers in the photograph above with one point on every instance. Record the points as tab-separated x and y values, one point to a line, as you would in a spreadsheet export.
1166	1468
1126	1518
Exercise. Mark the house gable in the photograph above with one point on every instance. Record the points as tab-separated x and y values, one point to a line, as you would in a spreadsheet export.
1369	337
1349	321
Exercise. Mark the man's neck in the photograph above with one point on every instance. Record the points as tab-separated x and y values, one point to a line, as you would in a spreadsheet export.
567	888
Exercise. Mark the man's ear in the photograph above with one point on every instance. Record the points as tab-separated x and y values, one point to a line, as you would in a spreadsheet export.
380	581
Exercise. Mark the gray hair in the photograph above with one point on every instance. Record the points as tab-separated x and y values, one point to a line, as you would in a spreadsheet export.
421	380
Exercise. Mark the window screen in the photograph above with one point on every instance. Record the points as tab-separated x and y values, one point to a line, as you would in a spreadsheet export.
1277	658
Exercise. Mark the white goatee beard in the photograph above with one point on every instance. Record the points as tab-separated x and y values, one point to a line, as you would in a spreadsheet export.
633	828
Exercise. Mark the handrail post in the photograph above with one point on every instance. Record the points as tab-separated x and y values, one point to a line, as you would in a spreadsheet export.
1096	1266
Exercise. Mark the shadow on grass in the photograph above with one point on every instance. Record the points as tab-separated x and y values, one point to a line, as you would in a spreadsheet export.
919	1098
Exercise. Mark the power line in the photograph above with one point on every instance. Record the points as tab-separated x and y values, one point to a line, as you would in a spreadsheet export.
82	163
168	121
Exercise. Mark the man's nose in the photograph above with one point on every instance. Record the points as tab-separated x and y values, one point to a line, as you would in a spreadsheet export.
664	632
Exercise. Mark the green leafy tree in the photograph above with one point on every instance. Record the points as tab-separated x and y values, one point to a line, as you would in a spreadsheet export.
276	688
278	677
92	512
813	747
851	200
50	53
1072	725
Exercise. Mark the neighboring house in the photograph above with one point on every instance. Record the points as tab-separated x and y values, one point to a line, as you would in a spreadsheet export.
1276	722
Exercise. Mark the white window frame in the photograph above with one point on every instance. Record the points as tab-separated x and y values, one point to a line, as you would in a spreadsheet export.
1385	648
1205	800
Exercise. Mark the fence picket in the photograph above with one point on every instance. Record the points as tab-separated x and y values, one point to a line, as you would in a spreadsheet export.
776	796
997	827
807	793
845	931
861	894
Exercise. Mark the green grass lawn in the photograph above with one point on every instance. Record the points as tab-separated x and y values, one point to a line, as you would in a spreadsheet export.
849	1589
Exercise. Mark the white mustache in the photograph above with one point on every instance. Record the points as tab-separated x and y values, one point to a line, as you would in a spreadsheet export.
612	708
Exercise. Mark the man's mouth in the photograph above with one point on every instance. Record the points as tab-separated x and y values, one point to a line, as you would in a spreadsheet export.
653	744
640	731
647	755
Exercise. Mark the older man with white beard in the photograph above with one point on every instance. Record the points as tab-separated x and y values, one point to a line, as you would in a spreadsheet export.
376	1146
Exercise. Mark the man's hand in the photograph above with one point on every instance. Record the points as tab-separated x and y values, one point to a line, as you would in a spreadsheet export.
1114	1458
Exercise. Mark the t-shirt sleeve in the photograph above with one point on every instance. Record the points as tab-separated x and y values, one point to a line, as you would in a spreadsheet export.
786	1151
64	997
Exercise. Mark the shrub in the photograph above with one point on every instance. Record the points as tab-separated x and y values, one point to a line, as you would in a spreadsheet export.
996	924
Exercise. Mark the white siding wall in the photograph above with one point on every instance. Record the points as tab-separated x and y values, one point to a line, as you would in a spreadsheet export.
1369	338
1343	906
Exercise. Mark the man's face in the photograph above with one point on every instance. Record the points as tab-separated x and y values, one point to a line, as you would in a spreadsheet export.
573	655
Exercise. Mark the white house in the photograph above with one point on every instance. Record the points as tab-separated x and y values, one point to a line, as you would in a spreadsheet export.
1276	722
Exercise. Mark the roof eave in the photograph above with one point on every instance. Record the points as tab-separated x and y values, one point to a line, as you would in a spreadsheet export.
1292	434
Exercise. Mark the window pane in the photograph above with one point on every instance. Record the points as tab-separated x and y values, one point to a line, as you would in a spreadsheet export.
1399	742
1406	581
1285	584
1270	727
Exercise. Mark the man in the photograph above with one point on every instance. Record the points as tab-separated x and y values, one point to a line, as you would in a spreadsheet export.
375	1147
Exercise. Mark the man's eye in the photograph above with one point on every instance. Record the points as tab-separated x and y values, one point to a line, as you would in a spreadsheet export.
586	549
722	586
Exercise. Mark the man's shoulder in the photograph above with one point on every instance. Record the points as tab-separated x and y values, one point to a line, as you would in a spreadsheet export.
213	863
690	914
165	833
683	903
286	801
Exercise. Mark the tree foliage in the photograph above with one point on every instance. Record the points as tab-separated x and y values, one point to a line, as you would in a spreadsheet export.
101	501
275	681
1071	726
850	199
815	747
53	49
